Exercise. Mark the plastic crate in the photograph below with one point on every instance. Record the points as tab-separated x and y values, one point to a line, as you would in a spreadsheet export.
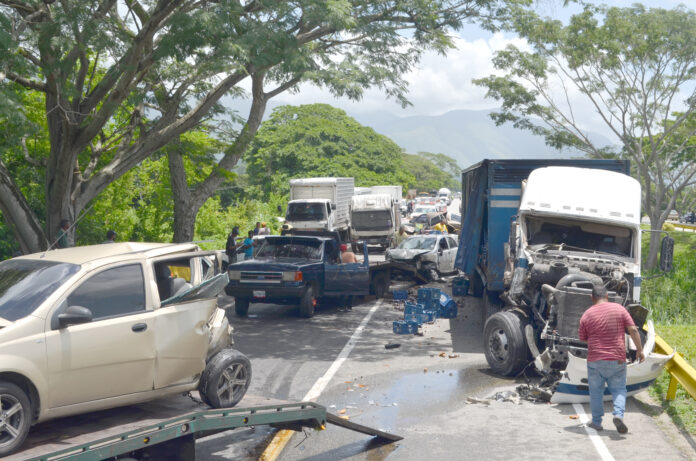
447	308
427	295
399	295
460	286
405	327
421	318
411	308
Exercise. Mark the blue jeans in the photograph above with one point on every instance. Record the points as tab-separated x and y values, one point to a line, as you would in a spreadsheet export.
613	374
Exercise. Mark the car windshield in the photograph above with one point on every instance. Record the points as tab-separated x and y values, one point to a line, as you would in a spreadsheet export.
424	209
306	212
418	243
456	217
26	283
290	248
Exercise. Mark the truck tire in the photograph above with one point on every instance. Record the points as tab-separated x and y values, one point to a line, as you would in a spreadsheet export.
241	306
225	379
308	303
476	285
504	344
16	414
380	285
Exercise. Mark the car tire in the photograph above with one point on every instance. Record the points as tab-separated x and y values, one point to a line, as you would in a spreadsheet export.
17	413
504	344
307	303
225	379
241	306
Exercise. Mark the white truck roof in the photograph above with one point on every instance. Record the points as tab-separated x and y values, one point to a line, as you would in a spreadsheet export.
376	202
604	195
319	181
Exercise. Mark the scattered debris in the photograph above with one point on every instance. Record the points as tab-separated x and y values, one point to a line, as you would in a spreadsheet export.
506	396
342	411
471	400
344	417
392	345
534	393
573	417
425	370
453	356
441	354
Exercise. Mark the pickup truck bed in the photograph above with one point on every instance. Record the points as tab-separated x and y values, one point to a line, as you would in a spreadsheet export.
74	431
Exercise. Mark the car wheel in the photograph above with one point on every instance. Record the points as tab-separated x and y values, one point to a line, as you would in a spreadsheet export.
504	344
225	379
15	417
308	303
241	306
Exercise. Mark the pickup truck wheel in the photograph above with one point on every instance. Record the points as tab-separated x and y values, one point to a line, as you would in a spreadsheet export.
225	379
503	343
15	417
308	303
241	306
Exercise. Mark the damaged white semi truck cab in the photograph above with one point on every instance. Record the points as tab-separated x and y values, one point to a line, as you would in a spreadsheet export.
575	227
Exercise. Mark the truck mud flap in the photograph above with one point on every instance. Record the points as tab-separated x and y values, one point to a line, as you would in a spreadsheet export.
338	421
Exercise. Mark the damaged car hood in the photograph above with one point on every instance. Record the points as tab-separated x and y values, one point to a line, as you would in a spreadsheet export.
400	253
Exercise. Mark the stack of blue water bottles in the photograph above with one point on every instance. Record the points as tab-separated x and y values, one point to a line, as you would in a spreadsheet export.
415	315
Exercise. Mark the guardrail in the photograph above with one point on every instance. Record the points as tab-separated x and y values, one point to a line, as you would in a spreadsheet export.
684	226
679	369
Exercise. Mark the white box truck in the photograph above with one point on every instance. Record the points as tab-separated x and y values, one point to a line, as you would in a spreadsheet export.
320	205
374	219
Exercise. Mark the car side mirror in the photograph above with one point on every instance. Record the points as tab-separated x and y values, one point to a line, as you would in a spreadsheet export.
666	254
440	251
333	206
74	315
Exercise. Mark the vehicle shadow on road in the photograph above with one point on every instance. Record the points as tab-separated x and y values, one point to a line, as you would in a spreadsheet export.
467	328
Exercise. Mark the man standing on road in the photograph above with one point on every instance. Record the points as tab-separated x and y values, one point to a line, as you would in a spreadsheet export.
603	327
400	236
231	245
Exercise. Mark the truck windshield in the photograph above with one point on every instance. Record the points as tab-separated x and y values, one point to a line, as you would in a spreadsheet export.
418	243
306	212
290	249
579	236
371	220
26	283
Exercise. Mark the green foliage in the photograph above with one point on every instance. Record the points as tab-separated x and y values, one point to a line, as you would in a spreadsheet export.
444	163
320	140
670	297
427	175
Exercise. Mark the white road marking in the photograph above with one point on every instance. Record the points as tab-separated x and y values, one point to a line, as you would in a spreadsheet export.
322	382
596	440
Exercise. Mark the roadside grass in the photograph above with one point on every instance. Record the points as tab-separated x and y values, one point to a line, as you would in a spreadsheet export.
671	299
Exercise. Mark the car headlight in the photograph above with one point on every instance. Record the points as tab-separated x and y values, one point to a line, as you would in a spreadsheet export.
234	275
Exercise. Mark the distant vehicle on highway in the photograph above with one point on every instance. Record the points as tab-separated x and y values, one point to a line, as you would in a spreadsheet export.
673	215
421	210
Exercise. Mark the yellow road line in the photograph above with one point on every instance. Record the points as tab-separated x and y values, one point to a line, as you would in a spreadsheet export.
276	446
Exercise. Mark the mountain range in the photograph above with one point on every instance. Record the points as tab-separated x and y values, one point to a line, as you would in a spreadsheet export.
468	136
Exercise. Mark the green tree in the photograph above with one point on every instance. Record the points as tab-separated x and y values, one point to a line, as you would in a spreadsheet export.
320	140
428	175
444	163
632	66
122	79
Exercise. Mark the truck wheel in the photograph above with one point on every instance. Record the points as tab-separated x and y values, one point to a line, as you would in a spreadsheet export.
379	285
503	343
15	417
307	303
241	306
225	379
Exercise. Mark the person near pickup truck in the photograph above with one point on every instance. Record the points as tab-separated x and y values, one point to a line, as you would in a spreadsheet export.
440	227
400	236
248	246
347	256
231	245
603	326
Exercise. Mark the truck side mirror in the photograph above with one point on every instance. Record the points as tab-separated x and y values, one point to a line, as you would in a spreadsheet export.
666	254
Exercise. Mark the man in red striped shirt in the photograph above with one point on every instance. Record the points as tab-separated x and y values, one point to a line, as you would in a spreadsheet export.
603	326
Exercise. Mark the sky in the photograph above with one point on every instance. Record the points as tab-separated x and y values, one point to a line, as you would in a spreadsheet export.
441	84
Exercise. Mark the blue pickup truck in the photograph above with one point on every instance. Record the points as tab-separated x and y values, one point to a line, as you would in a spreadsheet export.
302	270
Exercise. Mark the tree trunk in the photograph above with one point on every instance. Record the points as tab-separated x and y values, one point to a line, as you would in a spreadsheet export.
655	238
19	216
185	211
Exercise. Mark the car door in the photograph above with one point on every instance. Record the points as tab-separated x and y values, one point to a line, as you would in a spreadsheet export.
182	335
452	252
110	356
345	279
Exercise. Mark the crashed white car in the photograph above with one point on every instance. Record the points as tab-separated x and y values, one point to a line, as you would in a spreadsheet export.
430	255
95	327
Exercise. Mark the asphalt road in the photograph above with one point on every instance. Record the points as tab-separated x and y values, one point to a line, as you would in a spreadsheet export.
419	393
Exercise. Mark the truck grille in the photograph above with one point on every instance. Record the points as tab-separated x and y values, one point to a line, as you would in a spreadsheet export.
261	277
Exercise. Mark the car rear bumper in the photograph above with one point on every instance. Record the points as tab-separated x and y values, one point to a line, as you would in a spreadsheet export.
274	294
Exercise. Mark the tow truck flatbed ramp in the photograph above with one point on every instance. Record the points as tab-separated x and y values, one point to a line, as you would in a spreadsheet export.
167	428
